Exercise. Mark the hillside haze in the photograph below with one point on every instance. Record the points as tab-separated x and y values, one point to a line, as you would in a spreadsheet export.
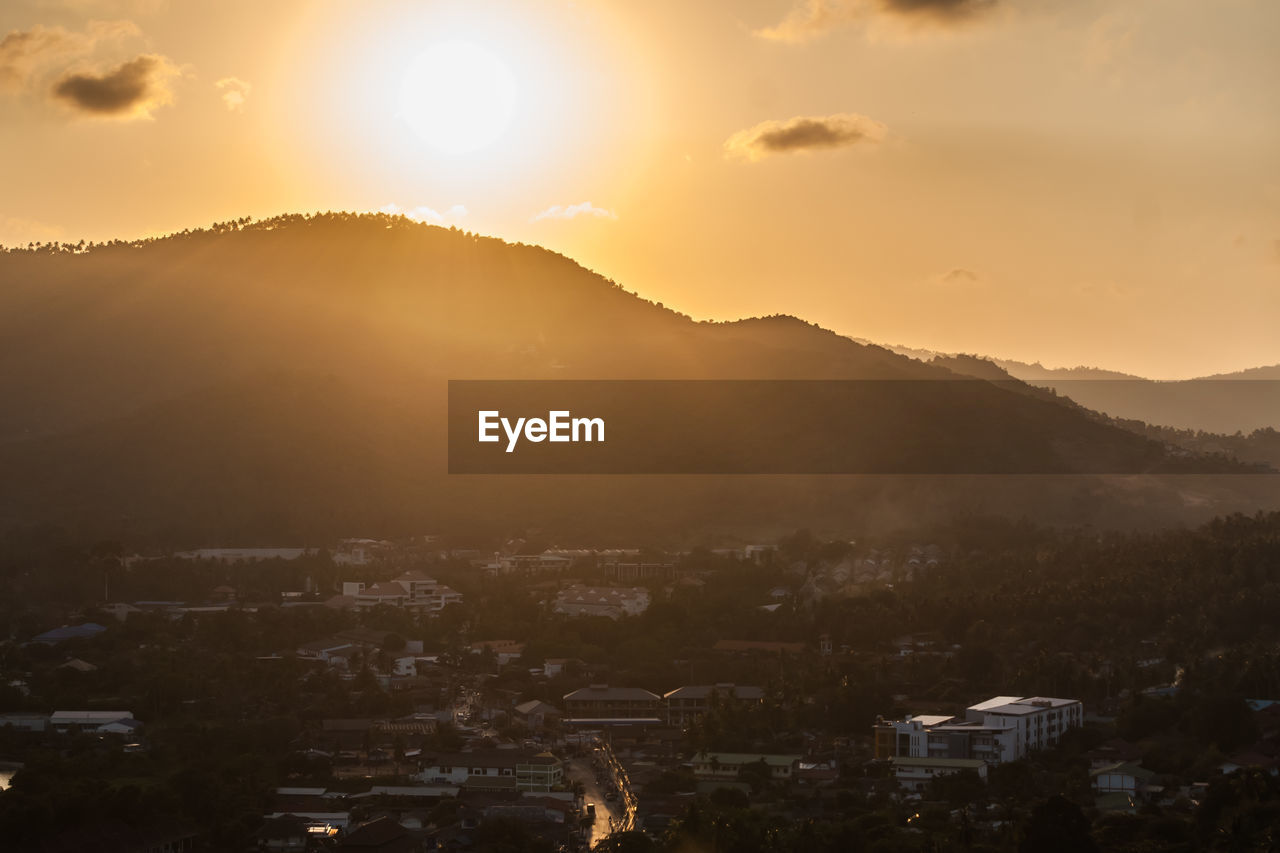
262	381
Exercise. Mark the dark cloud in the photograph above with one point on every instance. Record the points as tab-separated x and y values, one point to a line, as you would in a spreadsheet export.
25	53
133	88
942	10
812	19
803	133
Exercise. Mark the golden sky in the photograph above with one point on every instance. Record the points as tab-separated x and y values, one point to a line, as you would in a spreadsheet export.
1070	181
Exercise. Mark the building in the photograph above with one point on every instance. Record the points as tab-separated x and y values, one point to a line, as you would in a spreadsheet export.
727	765
495	769
765	647
505	651
1121	778
688	704
67	721
613	602
535	713
25	721
244	555
915	774
412	590
1004	728
601	704
84	631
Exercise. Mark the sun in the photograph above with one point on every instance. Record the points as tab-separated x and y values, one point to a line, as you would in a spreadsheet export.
457	97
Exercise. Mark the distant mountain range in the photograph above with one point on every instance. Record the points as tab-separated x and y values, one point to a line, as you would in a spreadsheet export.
285	381
1221	403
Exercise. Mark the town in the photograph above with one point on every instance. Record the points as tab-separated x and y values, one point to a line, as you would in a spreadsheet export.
422	694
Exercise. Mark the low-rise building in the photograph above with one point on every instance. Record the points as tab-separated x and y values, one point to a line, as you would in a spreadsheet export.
727	765
65	721
411	590
601	704
690	703
613	602
495	769
915	774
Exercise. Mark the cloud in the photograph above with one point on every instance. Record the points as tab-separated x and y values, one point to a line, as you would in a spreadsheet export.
802	133
810	20
942	11
959	276
813	19
130	90
234	92
24	54
422	213
586	208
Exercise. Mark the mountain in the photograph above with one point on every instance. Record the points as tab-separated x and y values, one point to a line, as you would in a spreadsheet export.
287	379
1224	403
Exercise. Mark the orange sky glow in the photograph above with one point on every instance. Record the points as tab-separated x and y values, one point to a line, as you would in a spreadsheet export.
1089	182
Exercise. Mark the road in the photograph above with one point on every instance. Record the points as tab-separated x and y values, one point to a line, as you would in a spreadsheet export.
594	774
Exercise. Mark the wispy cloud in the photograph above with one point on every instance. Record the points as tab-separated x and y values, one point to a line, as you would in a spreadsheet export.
801	134
812	19
959	276
586	208
422	213
132	89
234	92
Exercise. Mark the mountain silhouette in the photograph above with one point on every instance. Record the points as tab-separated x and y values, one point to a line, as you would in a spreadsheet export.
288	377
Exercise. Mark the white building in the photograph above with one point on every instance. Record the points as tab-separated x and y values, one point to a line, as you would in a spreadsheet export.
1004	728
411	590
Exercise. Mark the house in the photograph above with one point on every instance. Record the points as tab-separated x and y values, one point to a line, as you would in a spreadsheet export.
120	610
504	650
413	590
915	774
244	555
223	593
325	650
688	704
727	765
601	704
758	647
494	769
1003	728
541	773
1268	763
552	667
382	835
536	714
119	727
284	834
26	722
77	665
65	721
83	631
533	564
609	601
1121	778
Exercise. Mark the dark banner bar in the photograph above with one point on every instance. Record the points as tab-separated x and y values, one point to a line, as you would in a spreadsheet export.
791	427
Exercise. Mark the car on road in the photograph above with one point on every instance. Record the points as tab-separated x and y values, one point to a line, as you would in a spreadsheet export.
591	810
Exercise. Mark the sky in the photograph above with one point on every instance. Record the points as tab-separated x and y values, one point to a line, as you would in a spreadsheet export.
1074	182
